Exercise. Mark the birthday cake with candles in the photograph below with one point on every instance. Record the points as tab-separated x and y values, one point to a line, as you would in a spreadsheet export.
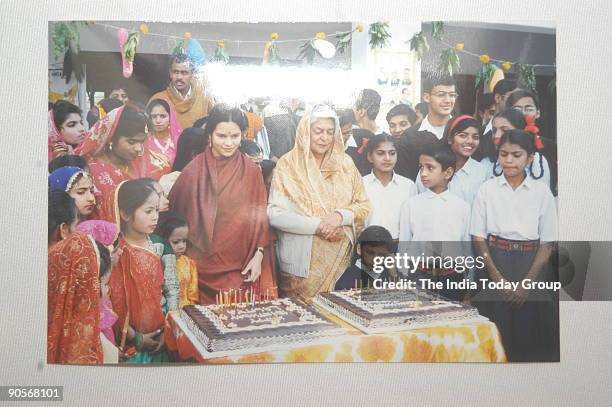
375	311
253	325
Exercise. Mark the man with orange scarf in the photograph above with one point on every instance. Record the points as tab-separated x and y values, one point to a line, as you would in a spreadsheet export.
185	92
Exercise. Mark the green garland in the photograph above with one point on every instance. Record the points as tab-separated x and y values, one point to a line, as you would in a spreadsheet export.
418	44
379	36
308	52
449	61
220	54
343	41
437	30
526	75
274	56
130	46
485	73
179	48
64	33
552	86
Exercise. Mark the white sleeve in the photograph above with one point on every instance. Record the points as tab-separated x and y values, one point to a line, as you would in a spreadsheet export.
283	218
419	184
413	189
548	225
405	234
546	169
465	236
478	221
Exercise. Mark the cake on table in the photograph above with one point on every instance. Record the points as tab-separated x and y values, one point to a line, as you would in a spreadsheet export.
253	325
375	311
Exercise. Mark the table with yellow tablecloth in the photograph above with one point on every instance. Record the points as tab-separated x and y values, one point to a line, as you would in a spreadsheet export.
475	341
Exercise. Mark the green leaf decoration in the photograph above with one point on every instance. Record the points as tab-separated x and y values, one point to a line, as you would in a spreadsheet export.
437	30
552	87
418	44
526	76
308	52
379	36
274	58
343	41
485	73
220	54
449	61
130	45
179	48
64	33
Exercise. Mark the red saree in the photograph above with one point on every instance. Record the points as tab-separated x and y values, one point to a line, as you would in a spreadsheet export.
73	331
136	289
224	202
158	155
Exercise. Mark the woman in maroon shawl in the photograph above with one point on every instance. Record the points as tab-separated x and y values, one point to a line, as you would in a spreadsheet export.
222	195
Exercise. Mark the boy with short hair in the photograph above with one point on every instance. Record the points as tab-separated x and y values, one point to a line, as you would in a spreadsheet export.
440	95
400	118
374	241
437	215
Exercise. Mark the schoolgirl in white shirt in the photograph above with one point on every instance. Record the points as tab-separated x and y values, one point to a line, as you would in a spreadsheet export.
511	119
462	135
386	190
514	221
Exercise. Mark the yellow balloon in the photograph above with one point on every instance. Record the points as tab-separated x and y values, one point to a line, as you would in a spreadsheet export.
497	76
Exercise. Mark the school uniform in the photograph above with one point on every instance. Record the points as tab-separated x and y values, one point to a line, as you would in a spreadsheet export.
387	201
444	218
426	125
515	222
465	182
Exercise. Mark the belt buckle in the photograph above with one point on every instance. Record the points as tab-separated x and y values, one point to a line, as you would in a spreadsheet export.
515	246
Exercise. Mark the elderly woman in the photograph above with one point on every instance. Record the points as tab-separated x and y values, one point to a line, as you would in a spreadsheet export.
318	205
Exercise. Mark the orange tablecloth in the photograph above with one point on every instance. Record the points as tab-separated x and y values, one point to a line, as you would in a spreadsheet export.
464	342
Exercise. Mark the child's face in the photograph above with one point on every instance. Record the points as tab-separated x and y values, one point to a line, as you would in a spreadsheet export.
441	99
398	124
369	251
465	142
527	106
178	240
432	175
144	219
83	194
384	157
514	159
500	125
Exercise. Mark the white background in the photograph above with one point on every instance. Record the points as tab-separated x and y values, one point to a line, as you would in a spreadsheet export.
584	89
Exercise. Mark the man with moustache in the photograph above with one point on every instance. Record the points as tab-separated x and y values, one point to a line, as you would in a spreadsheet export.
185	93
440	95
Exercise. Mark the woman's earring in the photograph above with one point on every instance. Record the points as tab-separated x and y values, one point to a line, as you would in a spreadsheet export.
110	146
